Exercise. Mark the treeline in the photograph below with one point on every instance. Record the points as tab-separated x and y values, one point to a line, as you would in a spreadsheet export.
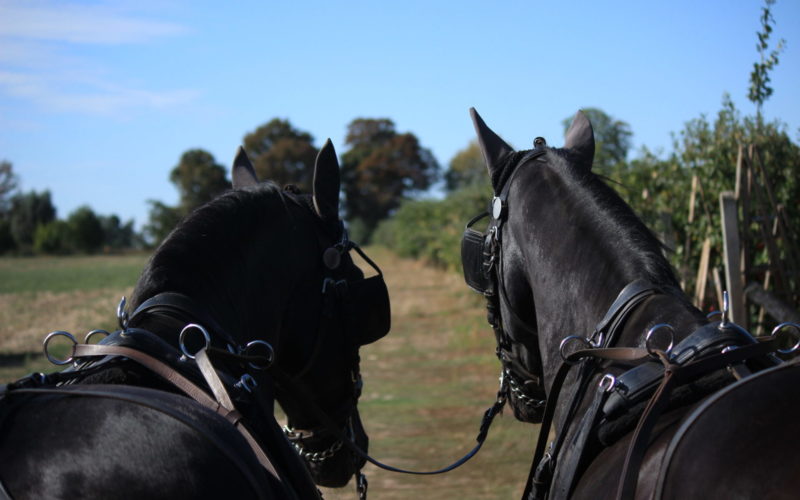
28	224
380	168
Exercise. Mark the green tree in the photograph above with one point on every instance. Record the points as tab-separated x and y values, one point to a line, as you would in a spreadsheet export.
52	238
381	169
282	153
8	184
467	169
162	219
612	139
85	230
116	235
199	179
28	211
760	90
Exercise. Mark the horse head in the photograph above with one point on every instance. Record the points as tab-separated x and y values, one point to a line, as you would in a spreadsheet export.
562	245
273	270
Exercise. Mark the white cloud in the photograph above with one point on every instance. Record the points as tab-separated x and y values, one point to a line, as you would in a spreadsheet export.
66	22
42	61
86	96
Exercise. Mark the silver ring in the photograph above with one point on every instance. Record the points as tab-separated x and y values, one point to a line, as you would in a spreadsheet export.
778	329
188	327
650	333
567	341
93	333
270	353
607	383
47	340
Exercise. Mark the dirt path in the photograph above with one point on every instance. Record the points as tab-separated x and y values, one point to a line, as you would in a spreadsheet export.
427	385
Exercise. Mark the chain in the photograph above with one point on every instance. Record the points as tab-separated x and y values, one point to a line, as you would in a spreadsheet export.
519	394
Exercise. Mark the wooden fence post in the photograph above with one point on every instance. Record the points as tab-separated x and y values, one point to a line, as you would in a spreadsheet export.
730	238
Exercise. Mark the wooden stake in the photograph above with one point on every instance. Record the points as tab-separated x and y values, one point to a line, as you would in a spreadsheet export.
731	247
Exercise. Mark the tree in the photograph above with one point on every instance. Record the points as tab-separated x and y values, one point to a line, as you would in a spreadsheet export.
467	169
8	184
760	89
116	235
85	230
199	179
27	212
381	169
282	153
162	219
52	238
612	139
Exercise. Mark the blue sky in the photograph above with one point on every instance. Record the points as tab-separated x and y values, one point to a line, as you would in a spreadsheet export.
98	100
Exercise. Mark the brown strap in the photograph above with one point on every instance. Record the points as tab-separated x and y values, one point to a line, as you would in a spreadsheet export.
675	375
222	405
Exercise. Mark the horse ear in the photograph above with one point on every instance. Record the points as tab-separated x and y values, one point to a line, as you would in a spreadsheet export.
326	183
494	148
243	173
580	139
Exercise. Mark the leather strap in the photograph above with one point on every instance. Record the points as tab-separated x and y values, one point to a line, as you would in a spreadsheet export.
537	485
675	375
222	405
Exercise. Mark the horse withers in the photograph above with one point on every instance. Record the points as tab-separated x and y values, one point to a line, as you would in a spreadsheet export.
649	399
252	298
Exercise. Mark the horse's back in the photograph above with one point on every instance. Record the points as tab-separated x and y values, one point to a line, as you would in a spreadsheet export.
129	443
739	443
742	442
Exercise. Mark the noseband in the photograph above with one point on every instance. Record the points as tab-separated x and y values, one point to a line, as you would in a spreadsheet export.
482	259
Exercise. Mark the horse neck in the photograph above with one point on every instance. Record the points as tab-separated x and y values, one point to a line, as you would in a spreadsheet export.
577	263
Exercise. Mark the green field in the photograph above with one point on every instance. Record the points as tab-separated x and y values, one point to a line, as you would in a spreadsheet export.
426	385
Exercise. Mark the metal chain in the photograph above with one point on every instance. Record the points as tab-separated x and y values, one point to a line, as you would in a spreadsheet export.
519	394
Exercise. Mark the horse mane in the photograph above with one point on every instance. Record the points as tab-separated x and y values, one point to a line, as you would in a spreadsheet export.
607	210
223	232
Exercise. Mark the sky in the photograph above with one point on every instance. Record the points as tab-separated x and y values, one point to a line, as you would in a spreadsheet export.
99	99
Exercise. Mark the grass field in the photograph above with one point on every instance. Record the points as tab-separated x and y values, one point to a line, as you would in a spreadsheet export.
426	385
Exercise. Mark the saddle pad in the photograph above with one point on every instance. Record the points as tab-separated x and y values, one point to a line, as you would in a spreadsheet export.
742	440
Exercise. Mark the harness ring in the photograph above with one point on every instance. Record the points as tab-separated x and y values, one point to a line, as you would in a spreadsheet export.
93	333
607	383
566	341
782	327
653	330
47	340
270	353
182	336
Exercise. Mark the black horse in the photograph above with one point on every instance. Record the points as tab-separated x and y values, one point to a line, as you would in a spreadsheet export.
259	284
693	410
